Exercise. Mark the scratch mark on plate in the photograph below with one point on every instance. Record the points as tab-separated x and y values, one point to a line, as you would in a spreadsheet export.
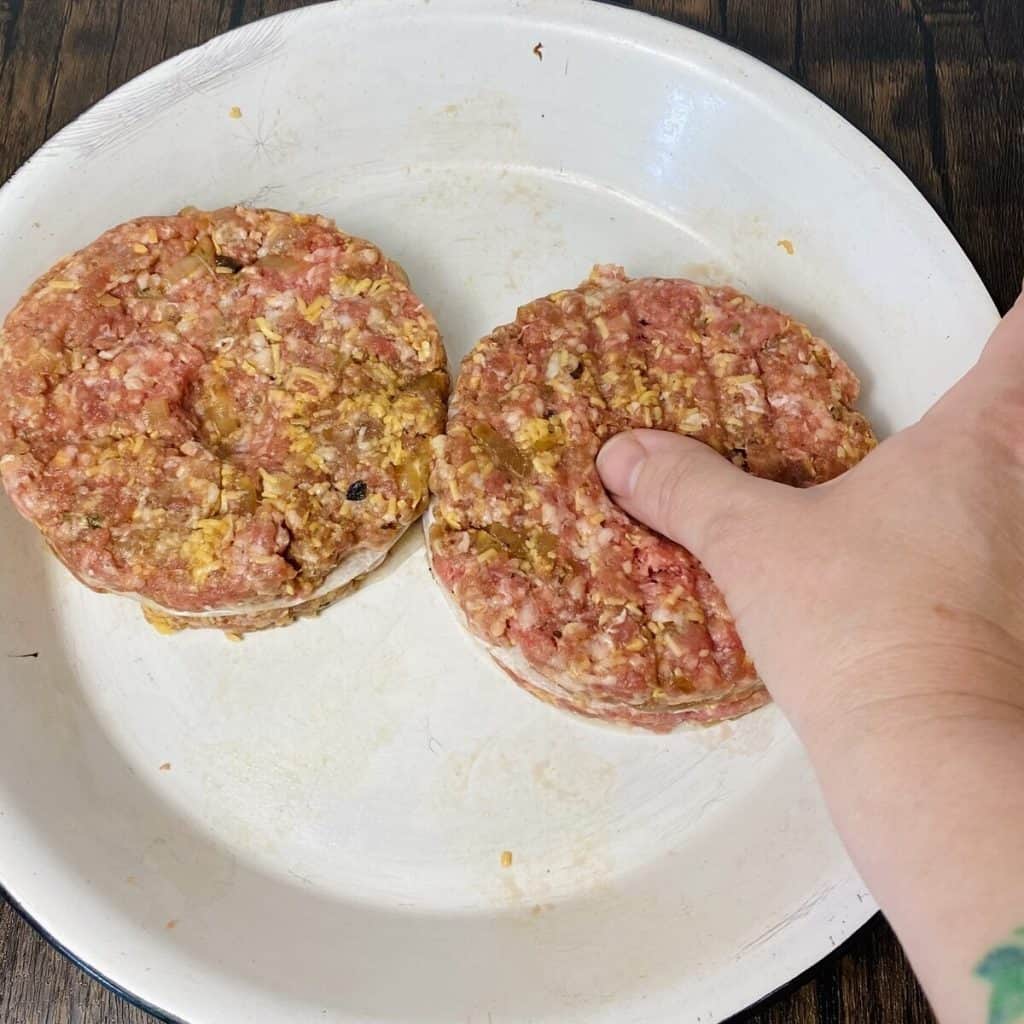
125	113
801	912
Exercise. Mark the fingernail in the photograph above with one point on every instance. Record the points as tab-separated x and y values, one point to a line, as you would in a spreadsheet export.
619	463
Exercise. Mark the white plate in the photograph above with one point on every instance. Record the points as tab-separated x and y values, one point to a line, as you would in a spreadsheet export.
326	843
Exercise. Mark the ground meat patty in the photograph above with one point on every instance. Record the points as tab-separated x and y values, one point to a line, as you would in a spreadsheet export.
583	606
226	414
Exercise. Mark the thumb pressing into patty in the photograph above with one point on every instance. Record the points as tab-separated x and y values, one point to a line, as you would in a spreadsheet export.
688	492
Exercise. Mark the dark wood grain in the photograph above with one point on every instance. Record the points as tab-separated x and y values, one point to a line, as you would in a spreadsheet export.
38	984
938	84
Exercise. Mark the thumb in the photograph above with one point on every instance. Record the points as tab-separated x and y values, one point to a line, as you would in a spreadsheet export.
689	493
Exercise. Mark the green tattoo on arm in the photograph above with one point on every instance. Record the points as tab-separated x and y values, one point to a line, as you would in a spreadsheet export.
1003	969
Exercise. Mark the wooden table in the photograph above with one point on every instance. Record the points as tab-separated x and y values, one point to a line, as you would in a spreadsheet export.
939	84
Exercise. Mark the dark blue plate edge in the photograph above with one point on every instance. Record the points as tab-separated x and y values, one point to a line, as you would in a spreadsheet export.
162	1015
111	986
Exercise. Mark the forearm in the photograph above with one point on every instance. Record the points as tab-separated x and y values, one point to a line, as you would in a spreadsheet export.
928	794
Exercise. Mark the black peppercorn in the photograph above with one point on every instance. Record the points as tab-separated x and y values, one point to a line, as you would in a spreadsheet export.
229	262
357	491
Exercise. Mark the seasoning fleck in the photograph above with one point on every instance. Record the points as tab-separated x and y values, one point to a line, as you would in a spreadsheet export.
357	491
785	243
228	263
539	51
166	766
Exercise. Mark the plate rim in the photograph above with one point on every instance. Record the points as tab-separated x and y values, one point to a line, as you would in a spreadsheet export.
597	9
605	18
164	1016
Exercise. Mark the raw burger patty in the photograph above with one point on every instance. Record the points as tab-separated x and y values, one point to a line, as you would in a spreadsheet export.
584	607
225	414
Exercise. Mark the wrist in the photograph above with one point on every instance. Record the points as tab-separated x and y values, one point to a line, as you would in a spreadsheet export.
905	687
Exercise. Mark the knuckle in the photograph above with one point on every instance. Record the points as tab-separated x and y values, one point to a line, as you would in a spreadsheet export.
684	499
671	496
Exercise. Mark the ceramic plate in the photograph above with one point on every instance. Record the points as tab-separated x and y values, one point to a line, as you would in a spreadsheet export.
309	825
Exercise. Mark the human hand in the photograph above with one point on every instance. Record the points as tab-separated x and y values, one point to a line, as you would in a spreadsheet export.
885	612
915	558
